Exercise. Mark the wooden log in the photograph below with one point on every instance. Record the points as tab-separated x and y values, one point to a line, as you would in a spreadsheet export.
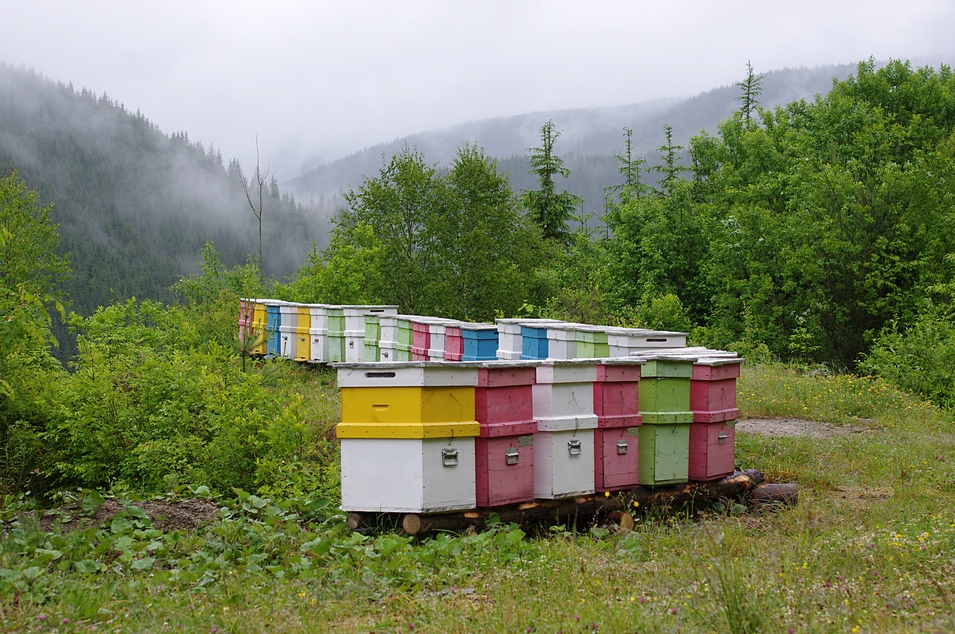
587	507
770	493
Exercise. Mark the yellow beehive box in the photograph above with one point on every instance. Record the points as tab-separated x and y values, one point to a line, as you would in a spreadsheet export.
408	405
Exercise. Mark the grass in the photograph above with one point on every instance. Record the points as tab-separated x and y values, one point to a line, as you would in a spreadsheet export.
869	548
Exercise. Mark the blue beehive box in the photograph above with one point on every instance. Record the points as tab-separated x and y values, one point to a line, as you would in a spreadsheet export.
480	342
533	343
273	322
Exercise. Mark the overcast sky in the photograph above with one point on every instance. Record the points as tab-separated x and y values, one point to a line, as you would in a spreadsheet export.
321	78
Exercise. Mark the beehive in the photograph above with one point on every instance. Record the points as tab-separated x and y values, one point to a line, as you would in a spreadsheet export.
259	328
591	342
664	393
534	344
564	442
453	343
372	336
303	338
712	450
713	389
504	449
623	342
407	435
318	330
273	309
288	335
479	341
335	335
664	454
420	339
616	439
561	341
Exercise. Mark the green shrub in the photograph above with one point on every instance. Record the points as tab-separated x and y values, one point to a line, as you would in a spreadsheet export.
920	358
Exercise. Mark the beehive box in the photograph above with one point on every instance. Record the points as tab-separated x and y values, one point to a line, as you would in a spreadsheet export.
354	316
504	410
372	335
303	336
318	329
664	393
713	390
273	309
246	312
616	458
407	435
563	463
453	343
479	342
288	335
259	328
510	340
712	450
591	342
534	344
420	339
564	442
623	342
335	335
664	451
616	440
561	341
395	475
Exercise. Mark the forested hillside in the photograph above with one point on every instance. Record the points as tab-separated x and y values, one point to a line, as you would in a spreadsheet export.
135	205
590	137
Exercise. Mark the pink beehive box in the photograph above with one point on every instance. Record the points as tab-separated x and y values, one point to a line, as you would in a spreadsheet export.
453	343
504	449
712	450
616	439
420	340
713	390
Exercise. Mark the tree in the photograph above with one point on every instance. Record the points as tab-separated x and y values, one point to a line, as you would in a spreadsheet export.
549	208
452	245
750	89
257	211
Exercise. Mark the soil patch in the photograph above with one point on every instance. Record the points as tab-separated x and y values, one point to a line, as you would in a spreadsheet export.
787	427
183	515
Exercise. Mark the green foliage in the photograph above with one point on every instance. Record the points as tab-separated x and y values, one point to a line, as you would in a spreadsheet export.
549	208
155	402
918	358
451	245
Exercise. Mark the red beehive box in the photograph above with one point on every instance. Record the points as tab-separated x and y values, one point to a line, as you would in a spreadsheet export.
616	446
504	449
420	340
713	390
453	343
712	450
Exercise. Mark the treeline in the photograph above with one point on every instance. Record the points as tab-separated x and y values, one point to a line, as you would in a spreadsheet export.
807	231
135	205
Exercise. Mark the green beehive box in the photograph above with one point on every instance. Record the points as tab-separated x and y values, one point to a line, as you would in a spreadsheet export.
664	400
668	367
405	334
664	452
585	343
372	329
601	345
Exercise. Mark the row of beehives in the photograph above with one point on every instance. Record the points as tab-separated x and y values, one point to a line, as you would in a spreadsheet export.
323	333
428	437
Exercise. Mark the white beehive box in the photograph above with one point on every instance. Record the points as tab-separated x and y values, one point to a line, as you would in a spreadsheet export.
288	326
561	341
563	463
355	317
408	475
407	374
318	330
564	395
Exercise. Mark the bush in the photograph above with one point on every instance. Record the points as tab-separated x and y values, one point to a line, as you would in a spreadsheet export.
919	358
